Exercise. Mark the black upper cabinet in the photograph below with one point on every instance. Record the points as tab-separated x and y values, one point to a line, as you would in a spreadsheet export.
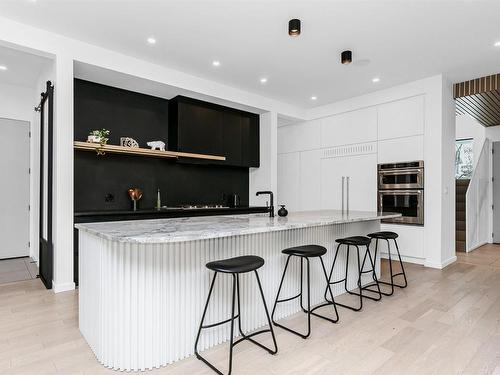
200	130
232	139
200	127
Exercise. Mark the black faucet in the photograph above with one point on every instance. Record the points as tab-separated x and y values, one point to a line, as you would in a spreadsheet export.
271	207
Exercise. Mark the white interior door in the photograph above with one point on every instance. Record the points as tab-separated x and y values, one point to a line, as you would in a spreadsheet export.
15	188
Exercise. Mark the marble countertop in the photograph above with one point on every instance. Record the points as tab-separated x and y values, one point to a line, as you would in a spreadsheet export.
205	227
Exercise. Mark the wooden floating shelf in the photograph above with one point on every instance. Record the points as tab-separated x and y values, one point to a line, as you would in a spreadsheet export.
113	149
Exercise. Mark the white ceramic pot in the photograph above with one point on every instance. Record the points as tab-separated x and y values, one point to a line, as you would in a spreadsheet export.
94	139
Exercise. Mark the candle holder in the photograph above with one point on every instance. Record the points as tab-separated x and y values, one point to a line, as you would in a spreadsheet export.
135	194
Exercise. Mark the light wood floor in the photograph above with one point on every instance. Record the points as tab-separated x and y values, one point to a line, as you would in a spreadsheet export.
445	322
17	269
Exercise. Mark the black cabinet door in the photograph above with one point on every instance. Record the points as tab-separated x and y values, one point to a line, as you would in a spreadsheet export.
206	128
232	139
200	129
250	142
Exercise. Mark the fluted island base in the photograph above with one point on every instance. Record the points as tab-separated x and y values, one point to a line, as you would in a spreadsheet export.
141	303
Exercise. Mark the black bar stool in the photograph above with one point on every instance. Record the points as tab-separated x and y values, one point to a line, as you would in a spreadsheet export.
356	241
390	236
305	252
235	266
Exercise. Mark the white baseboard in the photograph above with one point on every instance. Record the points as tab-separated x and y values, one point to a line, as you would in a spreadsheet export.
476	246
441	265
404	258
64	287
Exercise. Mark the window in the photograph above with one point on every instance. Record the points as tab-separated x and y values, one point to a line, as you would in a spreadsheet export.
464	159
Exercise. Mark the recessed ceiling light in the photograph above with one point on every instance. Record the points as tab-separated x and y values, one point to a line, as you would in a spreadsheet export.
497	44
216	63
151	40
263	80
314	97
375	80
3	67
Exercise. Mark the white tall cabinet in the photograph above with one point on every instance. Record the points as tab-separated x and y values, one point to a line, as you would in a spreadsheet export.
313	156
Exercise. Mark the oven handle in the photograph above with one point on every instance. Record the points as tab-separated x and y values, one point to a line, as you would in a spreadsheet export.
401	171
400	192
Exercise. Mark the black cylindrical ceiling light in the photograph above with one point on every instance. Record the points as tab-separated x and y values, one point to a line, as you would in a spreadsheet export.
294	27
346	57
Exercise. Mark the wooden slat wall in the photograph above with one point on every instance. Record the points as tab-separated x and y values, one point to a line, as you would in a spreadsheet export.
479	98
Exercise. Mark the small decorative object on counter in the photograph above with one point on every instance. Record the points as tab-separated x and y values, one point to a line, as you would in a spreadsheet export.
158	200
282	211
128	142
135	194
99	136
157	145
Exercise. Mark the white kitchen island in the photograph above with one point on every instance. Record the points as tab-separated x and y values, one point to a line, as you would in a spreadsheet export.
143	284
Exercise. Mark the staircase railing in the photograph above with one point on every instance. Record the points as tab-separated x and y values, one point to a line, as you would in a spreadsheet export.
478	202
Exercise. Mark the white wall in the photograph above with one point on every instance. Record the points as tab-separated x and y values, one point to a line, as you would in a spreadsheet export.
409	122
16	102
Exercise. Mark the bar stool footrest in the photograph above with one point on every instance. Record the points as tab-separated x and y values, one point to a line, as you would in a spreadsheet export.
398	285
368	290
328	303
249	338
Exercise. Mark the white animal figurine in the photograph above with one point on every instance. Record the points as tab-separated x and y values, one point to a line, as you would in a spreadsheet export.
157	145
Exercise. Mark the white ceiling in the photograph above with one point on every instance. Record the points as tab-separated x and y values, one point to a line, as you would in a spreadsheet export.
23	69
403	39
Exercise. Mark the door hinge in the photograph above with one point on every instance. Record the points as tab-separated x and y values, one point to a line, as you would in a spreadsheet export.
492	206
29	207
29	134
29	170
29	243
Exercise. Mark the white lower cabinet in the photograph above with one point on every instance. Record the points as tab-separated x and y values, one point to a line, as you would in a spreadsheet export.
410	242
362	170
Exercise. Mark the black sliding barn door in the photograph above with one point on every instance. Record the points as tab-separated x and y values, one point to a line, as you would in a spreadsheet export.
46	257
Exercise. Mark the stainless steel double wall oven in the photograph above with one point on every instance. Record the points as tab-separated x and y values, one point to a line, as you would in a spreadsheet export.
401	189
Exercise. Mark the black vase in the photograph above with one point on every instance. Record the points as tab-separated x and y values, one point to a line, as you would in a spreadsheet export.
282	211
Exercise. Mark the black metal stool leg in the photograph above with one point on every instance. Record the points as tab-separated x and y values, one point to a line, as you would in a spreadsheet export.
374	275
373	272
277	300
301	285
402	267
392	284
332	302
329	282
233	317
344	280
249	337
390	267
304	336
231	340
203	318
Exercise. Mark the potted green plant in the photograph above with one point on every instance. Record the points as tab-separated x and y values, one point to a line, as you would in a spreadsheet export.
99	136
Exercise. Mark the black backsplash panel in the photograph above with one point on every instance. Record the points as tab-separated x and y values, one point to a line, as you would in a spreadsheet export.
143	118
